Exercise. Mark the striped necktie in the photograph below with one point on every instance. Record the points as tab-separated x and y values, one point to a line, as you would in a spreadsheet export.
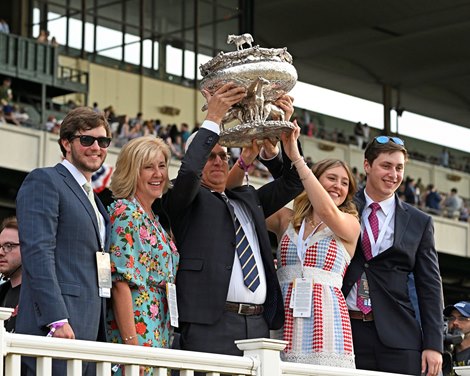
367	249
244	252
246	257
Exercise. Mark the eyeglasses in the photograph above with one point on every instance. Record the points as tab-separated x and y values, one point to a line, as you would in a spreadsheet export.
103	142
222	155
8	247
385	139
459	319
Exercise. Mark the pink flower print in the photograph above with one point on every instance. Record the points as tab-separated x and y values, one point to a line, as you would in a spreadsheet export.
153	240
119	208
153	311
119	230
143	233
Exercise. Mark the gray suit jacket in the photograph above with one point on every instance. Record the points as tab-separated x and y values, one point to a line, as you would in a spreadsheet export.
59	237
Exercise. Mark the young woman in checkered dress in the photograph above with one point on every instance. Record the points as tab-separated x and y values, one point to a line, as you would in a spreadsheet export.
316	241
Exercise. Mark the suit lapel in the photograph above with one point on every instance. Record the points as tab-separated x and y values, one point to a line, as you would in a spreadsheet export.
402	217
70	181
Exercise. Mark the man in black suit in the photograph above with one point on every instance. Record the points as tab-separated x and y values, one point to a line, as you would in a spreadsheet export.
219	300
387	336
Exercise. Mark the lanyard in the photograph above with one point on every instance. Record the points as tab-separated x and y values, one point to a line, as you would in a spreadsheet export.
375	245
302	244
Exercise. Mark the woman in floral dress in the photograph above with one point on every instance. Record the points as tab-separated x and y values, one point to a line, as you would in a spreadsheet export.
316	242
144	259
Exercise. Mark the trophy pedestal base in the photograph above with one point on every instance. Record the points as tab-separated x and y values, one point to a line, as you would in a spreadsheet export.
242	135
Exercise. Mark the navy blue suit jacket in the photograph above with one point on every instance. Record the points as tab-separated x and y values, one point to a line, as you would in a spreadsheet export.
59	238
203	228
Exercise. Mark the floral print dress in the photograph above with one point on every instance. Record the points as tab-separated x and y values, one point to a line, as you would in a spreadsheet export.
143	255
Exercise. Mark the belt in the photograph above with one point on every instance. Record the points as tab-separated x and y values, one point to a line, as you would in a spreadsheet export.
244	308
359	315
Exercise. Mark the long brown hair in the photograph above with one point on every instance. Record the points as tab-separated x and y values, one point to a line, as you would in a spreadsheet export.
302	206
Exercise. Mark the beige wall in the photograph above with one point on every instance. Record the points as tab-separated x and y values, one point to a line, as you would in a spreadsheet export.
130	93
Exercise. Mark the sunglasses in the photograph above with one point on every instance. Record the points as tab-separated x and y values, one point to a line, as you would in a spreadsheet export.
385	139
222	155
103	142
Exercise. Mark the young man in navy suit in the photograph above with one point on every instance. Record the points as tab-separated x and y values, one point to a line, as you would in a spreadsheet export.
386	333
63	234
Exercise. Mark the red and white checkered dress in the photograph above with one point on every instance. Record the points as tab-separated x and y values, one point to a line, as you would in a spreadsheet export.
325	337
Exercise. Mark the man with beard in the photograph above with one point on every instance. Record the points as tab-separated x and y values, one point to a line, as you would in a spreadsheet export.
63	231
458	318
10	267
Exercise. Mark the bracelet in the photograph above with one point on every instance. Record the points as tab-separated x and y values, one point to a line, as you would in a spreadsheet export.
297	160
54	327
241	163
130	337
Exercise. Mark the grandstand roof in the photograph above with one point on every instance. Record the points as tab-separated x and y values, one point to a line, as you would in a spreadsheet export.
419	47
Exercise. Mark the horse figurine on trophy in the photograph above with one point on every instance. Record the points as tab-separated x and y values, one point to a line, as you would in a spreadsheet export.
267	74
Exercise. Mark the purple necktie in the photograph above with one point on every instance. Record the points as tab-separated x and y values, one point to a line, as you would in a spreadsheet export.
366	247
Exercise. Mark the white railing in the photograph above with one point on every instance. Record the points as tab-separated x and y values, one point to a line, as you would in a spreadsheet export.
261	358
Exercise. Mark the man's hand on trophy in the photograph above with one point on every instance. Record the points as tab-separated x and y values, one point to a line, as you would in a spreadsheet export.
286	103
269	149
220	102
289	141
249	153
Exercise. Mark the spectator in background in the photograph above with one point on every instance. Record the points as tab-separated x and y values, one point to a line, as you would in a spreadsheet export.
50	123
10	267
139	119
4	28
458	318
359	134
9	115
432	201
464	212
452	204
184	134
410	191
6	94
95	107
43	37
54	42
444	157
309	162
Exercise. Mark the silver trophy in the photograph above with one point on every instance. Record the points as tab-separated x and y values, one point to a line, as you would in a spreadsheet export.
267	74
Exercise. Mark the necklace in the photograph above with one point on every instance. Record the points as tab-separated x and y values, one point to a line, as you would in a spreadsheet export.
314	224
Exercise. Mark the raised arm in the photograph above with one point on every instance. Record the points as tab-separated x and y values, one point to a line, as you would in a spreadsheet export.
344	225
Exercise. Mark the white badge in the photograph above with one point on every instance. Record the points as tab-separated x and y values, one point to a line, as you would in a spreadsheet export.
103	267
303	297
292	296
172	303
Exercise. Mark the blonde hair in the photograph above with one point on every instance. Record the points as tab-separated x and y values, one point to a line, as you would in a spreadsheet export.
302	205
133	156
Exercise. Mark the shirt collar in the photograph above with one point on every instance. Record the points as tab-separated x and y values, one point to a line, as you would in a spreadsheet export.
77	175
386	205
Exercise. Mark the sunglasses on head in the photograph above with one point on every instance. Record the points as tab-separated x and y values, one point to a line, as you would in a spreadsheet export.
103	142
385	139
222	155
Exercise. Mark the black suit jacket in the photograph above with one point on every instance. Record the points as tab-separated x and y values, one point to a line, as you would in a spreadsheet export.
205	235
412	252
